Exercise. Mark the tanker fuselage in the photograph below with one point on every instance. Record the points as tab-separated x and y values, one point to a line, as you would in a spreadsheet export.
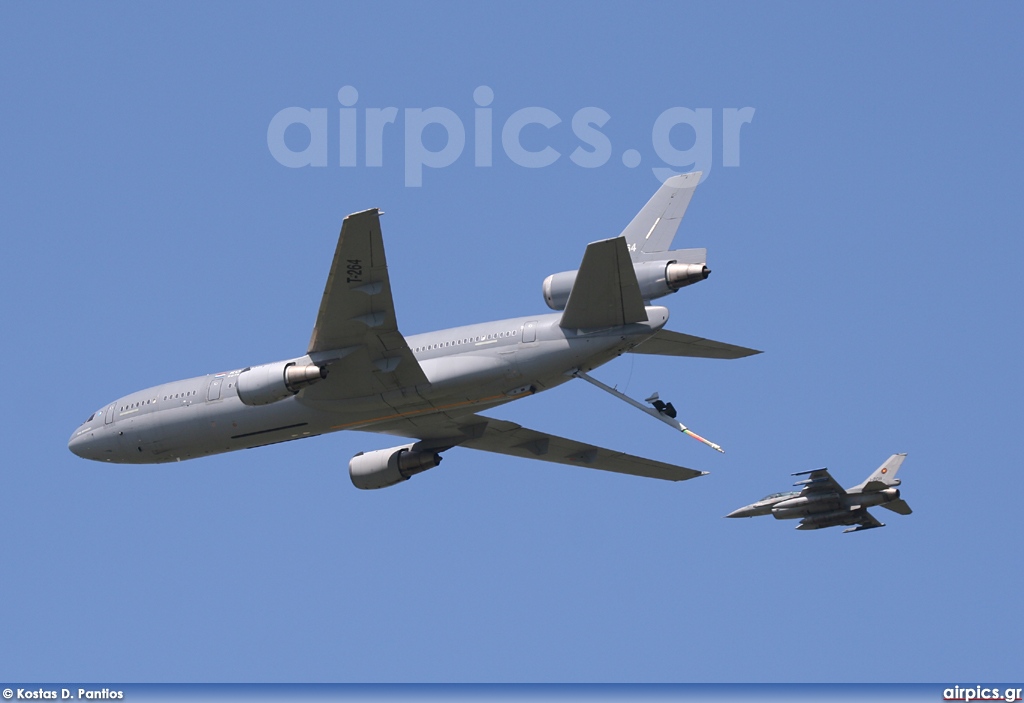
469	369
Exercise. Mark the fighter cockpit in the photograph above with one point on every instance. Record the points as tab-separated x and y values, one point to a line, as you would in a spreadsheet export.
784	494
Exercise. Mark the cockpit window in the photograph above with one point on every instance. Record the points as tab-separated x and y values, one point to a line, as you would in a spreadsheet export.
780	495
92	417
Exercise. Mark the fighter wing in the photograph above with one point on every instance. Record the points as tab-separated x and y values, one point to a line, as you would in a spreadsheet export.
356	332
441	431
818	481
866	521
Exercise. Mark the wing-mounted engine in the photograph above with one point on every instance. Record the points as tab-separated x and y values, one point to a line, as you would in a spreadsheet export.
656	279
269	383
386	467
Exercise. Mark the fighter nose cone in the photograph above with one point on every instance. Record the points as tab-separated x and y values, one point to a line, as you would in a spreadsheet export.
741	512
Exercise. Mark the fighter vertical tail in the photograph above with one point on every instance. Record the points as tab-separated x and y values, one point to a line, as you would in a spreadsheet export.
883	477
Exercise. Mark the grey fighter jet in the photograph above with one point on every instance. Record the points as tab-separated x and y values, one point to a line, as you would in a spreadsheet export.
360	372
824	503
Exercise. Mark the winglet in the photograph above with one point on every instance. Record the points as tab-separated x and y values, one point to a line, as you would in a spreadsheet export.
606	292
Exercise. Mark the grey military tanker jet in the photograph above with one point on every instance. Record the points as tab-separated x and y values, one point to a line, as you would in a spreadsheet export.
822	502
360	373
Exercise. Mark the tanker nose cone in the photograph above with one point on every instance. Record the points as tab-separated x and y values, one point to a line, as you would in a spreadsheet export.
77	445
87	445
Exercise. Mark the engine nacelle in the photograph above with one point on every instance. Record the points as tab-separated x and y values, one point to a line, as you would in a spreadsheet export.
656	279
269	383
386	467
879	497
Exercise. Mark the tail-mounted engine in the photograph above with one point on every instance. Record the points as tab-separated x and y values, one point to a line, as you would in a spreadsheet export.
386	467
656	279
269	383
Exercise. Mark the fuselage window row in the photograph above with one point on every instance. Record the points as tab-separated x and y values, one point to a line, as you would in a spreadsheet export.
132	406
152	401
471	340
180	395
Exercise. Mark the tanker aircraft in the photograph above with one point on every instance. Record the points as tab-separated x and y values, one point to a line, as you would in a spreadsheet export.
824	503
360	373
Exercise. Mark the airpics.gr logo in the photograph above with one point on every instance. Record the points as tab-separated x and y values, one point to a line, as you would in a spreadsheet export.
981	693
312	127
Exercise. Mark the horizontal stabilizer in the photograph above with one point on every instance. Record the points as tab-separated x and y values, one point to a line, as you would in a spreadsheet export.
667	343
606	292
897	506
679	256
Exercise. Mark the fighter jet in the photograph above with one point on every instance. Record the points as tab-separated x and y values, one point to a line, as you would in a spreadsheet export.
823	503
359	372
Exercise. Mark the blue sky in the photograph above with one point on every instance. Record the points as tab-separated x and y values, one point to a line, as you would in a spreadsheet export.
869	242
